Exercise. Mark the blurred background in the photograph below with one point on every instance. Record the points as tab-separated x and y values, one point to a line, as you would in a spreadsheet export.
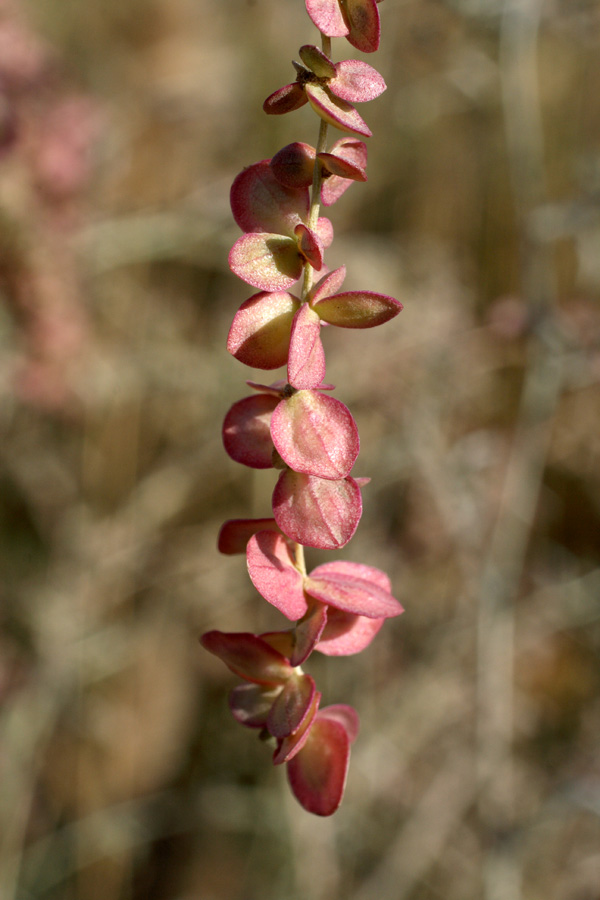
476	775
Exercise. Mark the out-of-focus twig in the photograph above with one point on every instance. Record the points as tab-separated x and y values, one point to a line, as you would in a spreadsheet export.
503	565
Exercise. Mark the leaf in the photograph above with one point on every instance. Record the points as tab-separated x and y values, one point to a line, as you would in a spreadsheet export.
353	588
285	100
306	360
248	656
317	512
246	431
346	634
346	715
291	706
336	111
310	246
317	774
324	231
317	61
362	17
274	575
356	81
315	434
347	158
327	285
289	746
357	309
269	262
308	632
235	533
327	16
293	165
250	703
260	203
260	332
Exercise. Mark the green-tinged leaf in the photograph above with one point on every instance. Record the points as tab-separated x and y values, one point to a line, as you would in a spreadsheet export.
357	309
269	262
260	332
335	111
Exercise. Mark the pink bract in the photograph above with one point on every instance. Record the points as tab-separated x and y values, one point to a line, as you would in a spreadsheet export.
315	511
306	361
260	332
269	262
292	706
335	111
246	431
273	573
235	533
293	165
249	657
315	434
350	587
356	81
259	202
317	774
356	20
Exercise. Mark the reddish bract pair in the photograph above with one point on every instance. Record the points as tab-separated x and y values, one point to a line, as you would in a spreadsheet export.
295	426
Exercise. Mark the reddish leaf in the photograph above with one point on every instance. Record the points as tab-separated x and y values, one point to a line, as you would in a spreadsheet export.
327	285
260	332
269	262
248	656
327	16
317	61
285	100
357	309
307	633
317	512
291	706
362	17
250	703
246	431
282	641
345	715
274	575
291	745
317	775
315	434
335	111
235	533
306	360
310	246
352	587
324	231
293	166
346	634
259	202
356	81
347	158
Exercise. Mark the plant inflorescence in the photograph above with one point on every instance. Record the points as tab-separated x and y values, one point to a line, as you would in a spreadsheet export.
294	425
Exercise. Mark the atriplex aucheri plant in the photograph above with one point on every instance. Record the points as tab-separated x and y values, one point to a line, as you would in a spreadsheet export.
294	425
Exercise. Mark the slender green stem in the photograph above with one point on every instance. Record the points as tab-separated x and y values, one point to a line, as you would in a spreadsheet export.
315	195
299	557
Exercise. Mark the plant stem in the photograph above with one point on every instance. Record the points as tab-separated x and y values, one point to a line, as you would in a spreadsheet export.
313	216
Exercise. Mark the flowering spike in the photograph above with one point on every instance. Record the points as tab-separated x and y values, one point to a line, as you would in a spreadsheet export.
291	425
